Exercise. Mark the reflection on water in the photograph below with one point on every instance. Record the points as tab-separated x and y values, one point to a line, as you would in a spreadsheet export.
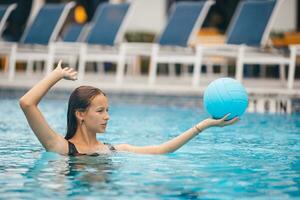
69	175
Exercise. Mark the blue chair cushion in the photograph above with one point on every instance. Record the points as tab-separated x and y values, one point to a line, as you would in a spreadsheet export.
2	11
73	32
106	23
44	24
250	24
181	23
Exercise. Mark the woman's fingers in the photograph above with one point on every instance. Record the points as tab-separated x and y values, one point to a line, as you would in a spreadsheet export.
225	117
222	122
74	75
232	121
59	63
70	73
69	69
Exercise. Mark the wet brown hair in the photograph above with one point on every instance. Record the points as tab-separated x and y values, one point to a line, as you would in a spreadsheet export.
79	100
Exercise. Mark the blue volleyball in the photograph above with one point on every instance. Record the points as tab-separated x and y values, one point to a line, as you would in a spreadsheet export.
223	96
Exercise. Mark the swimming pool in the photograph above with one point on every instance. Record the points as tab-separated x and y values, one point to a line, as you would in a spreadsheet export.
257	158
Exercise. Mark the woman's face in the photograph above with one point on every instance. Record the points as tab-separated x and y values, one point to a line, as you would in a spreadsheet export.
96	116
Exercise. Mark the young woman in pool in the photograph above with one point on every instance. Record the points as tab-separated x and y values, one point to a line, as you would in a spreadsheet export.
88	115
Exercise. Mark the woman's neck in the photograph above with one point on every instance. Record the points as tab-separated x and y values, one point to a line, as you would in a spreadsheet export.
85	137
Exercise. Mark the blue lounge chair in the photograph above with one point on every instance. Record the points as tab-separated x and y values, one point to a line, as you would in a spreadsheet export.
106	32
174	43
184	23
247	36
43	30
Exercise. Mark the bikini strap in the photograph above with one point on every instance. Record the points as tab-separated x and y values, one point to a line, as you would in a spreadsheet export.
110	147
72	149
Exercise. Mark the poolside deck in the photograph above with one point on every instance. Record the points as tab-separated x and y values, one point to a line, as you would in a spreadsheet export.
165	85
265	95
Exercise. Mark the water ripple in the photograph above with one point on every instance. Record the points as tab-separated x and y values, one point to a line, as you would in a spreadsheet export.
256	158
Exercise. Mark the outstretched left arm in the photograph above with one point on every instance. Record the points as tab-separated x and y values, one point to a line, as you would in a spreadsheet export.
177	142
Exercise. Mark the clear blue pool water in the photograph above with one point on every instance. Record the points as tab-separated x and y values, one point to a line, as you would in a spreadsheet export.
258	158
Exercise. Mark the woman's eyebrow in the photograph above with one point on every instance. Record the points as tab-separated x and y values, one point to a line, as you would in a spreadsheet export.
101	107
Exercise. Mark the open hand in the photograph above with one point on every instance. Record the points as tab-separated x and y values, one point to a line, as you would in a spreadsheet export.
219	122
67	73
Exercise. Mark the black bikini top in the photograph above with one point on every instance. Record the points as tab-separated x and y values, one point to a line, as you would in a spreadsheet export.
74	152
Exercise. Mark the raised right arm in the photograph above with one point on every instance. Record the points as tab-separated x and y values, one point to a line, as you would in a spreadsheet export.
29	104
